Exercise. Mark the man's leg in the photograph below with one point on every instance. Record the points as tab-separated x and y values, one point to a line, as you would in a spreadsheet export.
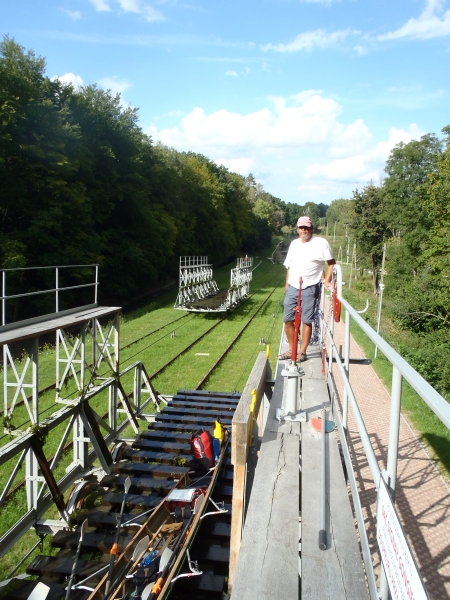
306	336
310	298
290	302
289	330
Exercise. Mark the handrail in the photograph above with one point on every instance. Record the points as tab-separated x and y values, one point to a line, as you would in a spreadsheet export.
4	297
431	397
400	369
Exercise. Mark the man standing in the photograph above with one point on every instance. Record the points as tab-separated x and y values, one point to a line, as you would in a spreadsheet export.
306	258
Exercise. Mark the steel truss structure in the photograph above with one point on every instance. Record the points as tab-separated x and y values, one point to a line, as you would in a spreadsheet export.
196	280
91	419
197	283
241	277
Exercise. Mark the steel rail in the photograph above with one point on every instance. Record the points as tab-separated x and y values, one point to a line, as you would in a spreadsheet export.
228	348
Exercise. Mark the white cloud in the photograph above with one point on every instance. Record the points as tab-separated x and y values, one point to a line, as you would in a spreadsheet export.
231	73
117	86
242	165
151	14
131	6
310	39
73	14
100	5
366	163
70	78
431	23
299	147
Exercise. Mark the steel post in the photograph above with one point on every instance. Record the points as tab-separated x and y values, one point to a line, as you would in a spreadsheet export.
346	367
31	478
394	428
3	298
35	379
57	289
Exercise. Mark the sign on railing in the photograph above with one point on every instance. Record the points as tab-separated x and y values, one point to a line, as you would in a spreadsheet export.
405	582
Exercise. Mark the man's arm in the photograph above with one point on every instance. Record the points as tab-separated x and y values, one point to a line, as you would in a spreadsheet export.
287	277
327	281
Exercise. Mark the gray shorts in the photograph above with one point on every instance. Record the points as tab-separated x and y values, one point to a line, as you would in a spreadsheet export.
310	299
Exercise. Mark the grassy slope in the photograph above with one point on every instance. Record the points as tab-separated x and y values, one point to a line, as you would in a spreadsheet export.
430	430
232	373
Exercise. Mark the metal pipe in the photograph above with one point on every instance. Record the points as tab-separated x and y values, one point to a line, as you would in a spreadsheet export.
57	291
322	530
394	428
3	297
346	366
367	557
373	463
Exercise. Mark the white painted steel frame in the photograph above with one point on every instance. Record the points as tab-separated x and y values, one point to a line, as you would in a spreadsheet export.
196	280
56	289
197	283
400	369
85	451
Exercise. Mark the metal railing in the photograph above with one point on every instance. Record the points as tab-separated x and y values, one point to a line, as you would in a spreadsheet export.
89	444
400	370
57	289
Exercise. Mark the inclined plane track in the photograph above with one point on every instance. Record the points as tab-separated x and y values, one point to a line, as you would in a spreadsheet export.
172	360
155	462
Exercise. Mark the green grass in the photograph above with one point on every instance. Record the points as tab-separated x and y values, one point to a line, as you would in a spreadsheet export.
430	430
153	351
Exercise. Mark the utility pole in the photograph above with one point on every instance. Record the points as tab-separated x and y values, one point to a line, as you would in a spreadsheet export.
334	234
380	294
327	228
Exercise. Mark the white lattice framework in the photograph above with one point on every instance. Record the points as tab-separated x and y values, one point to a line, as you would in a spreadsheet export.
196	280
241	277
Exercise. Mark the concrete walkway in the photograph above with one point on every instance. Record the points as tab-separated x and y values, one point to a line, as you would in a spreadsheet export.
422	497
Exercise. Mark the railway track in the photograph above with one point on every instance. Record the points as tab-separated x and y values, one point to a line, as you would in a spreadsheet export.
142	337
173	359
155	463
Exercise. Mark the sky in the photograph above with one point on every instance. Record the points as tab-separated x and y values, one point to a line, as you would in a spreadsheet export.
309	96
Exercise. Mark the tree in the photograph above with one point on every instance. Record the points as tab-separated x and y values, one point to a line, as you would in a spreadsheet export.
408	168
369	227
340	211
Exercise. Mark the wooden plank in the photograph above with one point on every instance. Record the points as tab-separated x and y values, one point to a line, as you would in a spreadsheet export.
267	567
202	405
101	518
139	483
337	572
198	413
91	540
165	458
209	394
136	500
177	447
151	434
152	470
208	582
198	420
256	380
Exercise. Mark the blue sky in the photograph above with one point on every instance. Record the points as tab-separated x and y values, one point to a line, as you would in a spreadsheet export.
310	96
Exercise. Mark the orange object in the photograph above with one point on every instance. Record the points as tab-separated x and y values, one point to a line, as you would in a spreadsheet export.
115	548
158	586
336	305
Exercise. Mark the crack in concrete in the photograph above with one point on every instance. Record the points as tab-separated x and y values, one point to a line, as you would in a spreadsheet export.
280	468
341	569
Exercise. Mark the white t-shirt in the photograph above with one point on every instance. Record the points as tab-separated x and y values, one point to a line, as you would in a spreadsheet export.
307	260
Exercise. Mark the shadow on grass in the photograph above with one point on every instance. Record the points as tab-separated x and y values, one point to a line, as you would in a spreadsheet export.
441	447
